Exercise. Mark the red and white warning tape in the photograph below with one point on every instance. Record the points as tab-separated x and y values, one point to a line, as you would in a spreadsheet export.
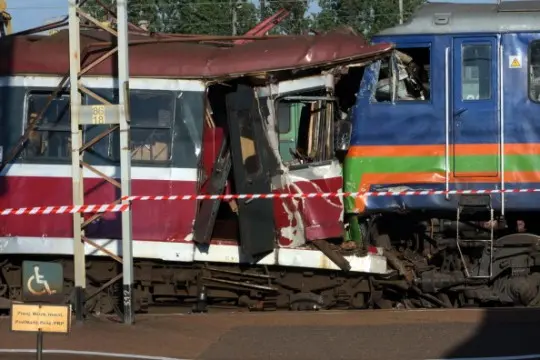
327	195
46	210
70	209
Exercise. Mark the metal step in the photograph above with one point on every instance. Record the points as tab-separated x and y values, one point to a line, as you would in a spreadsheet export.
474	204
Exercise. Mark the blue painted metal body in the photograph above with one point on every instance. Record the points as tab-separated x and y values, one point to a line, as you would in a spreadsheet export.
470	122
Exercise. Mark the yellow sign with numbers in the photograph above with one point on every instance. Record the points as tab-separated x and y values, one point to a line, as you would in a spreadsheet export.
98	114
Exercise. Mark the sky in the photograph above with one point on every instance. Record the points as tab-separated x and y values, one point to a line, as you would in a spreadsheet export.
31	13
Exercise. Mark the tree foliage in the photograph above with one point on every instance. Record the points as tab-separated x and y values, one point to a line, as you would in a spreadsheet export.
216	16
188	16
296	23
365	16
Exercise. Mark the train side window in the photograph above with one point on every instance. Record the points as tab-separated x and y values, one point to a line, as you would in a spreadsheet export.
152	116
476	72
51	138
413	78
534	71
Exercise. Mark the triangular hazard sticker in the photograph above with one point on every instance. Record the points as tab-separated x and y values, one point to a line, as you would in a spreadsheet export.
515	63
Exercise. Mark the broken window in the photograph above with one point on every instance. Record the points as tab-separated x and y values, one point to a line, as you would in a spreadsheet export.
310	135
287	120
534	71
407	74
383	88
51	138
151	115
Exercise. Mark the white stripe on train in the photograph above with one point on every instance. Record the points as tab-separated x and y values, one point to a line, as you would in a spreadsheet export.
188	252
137	172
64	171
103	82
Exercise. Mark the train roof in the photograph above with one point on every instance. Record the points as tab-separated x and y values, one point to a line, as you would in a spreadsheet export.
48	55
448	18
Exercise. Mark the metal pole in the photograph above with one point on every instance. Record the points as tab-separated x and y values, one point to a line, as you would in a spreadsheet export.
95	115
76	174
125	156
401	11
234	17
39	348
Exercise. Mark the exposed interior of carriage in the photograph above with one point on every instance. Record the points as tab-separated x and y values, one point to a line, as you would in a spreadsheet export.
282	125
304	120
278	114
186	99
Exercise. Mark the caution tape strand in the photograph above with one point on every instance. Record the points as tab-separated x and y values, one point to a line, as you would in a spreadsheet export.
327	195
67	209
107	208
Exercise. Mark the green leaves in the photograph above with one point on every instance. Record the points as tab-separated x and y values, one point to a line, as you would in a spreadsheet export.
296	23
225	17
188	16
365	16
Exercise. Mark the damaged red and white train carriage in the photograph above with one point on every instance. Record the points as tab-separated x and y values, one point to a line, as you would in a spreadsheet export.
261	117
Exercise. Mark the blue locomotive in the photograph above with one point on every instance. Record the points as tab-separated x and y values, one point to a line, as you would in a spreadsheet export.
457	107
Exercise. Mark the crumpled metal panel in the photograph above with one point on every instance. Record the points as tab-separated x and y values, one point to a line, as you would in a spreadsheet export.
189	60
303	218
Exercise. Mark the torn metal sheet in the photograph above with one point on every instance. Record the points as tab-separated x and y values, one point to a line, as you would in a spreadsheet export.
314	218
206	216
297	219
178	58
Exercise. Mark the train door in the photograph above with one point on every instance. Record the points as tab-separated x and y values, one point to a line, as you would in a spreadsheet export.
474	115
251	170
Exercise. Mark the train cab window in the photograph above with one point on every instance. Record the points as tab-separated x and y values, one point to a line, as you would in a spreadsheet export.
288	114
476	72
413	78
152	114
51	138
284	117
308	139
534	71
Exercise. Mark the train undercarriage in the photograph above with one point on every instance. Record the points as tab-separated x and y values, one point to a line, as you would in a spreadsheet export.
478	258
448	260
435	263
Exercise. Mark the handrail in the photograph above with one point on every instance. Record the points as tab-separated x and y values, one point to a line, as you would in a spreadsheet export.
447	119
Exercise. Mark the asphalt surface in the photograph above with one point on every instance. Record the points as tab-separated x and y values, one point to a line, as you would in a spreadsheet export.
289	335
